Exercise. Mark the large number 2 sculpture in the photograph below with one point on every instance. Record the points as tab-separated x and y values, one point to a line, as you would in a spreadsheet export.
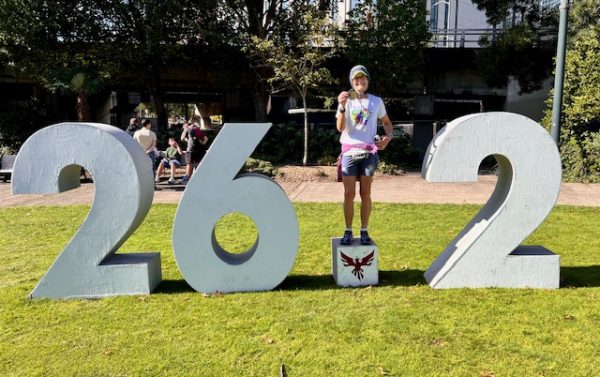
50	161
487	253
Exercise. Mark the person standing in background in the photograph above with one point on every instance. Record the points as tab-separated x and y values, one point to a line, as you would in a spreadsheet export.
146	138
133	127
196	140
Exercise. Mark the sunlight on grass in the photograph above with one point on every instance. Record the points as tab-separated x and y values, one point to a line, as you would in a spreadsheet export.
236	232
400	328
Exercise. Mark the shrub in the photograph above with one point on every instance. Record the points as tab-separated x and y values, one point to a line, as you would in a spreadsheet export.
389	168
580	148
18	122
581	158
253	165
400	152
327	161
283	144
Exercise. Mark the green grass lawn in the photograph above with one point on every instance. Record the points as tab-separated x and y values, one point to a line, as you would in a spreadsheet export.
400	328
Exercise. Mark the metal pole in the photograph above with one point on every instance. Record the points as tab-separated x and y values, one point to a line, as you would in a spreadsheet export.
559	72
447	26
456	24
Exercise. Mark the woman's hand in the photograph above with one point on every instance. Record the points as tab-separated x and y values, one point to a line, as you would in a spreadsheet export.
342	99
383	142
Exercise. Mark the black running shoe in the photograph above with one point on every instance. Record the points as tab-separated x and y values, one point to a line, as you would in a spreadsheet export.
364	238
347	238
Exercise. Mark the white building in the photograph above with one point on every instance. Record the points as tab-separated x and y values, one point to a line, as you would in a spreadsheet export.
453	23
457	23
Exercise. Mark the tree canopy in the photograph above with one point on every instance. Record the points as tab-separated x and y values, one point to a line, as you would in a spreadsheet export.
387	36
56	41
523	50
298	57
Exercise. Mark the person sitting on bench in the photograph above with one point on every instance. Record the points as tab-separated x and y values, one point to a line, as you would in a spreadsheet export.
172	159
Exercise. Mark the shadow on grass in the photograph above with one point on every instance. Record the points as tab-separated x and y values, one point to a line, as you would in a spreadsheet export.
174	286
311	282
571	277
321	282
173	188
580	276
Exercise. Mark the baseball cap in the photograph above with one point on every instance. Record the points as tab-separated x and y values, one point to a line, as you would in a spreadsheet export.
358	71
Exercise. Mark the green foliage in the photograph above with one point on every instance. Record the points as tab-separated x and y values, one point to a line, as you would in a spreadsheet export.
284	144
40	36
584	16
297	58
521	51
252	23
526	11
254	165
18	122
400	153
327	161
298	64
581	158
54	41
401	327
580	122
389	168
388	37
79	81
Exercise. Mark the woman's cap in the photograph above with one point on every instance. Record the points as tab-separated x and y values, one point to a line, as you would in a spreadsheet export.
358	71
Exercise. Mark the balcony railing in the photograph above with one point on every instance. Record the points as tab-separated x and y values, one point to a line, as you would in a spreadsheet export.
470	38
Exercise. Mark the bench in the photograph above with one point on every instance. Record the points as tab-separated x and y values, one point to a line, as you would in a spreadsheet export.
6	166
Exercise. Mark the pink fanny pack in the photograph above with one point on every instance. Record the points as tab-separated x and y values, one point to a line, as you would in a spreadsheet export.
371	148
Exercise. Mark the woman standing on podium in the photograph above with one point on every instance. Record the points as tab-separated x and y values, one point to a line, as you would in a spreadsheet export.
356	118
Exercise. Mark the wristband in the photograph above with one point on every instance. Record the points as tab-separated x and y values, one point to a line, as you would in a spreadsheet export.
342	109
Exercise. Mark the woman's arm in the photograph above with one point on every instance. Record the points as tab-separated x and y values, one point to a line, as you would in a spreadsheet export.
389	129
340	123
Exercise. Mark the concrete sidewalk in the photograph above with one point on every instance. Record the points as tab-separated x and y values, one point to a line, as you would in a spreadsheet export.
410	188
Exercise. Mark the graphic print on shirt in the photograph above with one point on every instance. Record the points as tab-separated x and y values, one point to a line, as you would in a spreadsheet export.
359	113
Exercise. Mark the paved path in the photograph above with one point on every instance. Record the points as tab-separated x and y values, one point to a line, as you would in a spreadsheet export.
410	188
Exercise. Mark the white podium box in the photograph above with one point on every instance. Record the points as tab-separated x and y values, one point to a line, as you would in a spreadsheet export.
354	265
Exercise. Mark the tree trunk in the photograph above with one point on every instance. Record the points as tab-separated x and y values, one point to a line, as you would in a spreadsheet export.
161	112
305	156
260	98
260	106
83	107
158	100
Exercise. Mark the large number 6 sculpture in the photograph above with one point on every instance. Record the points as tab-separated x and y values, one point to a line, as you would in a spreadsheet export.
216	190
487	253
50	161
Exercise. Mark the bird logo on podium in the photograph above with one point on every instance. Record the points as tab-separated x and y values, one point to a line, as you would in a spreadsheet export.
358	263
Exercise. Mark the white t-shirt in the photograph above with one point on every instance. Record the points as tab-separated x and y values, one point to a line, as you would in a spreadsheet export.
145	137
362	115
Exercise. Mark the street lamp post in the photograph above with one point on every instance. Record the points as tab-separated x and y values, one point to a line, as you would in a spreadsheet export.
447	20
559	72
